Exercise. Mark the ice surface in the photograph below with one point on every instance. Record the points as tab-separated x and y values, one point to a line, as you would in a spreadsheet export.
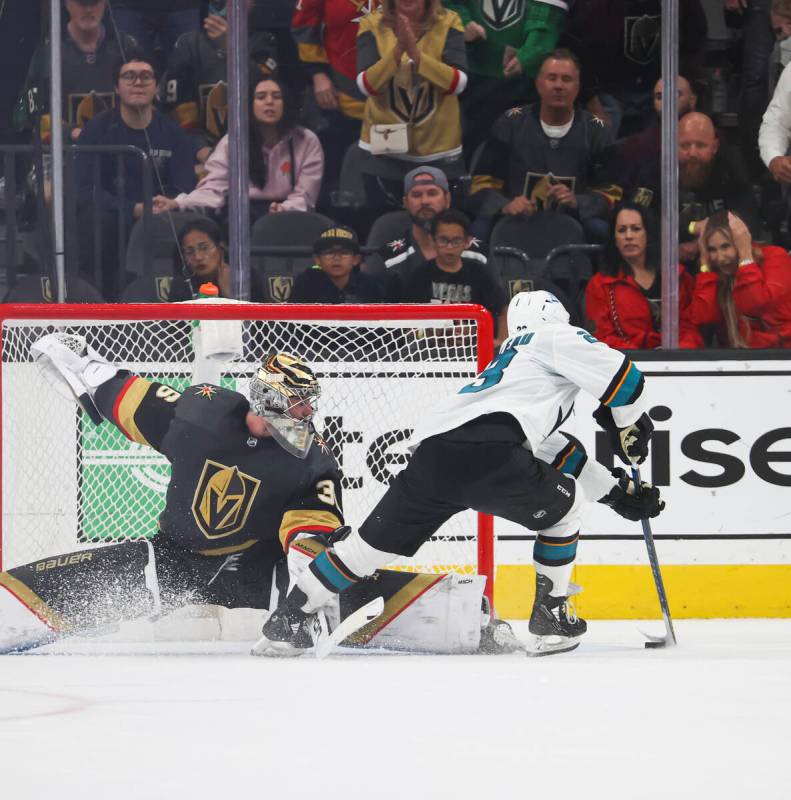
612	720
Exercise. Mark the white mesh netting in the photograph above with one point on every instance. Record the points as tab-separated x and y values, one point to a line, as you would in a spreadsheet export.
69	484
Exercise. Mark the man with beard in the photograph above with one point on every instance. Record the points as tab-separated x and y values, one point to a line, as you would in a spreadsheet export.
709	180
426	194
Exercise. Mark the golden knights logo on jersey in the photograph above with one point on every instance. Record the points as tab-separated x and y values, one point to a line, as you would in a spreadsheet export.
413	102
223	499
501	14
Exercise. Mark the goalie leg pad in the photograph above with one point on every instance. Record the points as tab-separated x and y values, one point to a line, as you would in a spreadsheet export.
20	627
423	613
87	589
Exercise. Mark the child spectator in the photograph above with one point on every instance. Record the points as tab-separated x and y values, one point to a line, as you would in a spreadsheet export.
336	276
743	289
286	161
203	250
624	299
453	278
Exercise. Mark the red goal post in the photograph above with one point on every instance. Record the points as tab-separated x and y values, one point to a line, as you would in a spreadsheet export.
67	484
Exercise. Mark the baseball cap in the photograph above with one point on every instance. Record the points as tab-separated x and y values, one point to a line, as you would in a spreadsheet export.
336	236
425	176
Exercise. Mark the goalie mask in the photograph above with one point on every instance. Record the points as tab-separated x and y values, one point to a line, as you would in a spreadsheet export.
528	311
285	392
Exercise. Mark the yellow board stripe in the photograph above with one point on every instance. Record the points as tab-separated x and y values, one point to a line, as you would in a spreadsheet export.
694	591
51	618
224	551
127	408
303	519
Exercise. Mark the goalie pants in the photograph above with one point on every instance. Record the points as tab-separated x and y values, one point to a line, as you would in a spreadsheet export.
447	475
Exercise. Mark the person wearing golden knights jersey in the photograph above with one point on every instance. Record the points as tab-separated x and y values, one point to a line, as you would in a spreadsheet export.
254	496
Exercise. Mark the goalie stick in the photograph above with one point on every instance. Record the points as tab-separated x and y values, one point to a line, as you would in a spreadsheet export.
669	640
326	643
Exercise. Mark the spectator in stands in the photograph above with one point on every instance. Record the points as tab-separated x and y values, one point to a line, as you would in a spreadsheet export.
286	161
710	180
743	288
452	277
645	146
336	276
193	88
88	55
156	25
200	258
624	299
326	36
411	67
549	156
619	45
768	22
506	43
774	137
135	122
426	194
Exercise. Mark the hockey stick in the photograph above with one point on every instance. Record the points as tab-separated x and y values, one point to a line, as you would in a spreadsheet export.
362	616
669	640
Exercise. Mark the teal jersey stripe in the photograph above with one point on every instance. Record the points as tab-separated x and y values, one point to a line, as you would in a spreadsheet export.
625	393
330	572
572	465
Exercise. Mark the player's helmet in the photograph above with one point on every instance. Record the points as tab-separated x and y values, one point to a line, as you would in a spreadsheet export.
528	311
282	383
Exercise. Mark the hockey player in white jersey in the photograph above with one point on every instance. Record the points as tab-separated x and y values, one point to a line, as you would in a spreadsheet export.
498	446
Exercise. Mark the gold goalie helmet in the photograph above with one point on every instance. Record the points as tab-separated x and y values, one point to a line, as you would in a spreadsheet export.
285	392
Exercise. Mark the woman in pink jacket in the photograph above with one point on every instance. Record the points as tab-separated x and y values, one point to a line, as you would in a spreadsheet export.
286	161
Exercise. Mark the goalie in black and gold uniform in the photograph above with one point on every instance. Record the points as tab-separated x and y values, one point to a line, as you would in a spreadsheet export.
254	496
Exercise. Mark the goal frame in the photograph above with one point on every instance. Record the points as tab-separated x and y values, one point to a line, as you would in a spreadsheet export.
276	312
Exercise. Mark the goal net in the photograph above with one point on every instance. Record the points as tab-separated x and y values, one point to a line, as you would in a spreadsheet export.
69	484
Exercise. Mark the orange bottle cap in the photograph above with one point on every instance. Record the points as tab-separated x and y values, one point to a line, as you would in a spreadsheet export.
209	289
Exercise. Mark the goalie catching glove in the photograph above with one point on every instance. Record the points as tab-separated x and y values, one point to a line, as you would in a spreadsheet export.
69	358
630	444
625	500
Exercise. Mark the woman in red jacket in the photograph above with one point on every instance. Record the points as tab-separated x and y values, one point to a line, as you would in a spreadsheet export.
743	289
624	299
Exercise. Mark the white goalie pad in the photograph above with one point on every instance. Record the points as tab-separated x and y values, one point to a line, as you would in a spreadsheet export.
446	619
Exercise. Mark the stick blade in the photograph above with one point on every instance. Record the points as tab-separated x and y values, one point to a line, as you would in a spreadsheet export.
361	617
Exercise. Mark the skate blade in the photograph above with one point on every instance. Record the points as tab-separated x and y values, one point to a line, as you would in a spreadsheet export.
537	646
269	649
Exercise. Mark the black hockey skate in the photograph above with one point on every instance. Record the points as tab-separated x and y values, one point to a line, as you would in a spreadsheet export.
554	625
287	632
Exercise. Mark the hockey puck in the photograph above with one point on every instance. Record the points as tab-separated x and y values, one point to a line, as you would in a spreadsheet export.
653	645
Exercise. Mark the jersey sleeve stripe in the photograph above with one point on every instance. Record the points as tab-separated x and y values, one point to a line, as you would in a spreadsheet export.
125	407
570	460
294	522
625	387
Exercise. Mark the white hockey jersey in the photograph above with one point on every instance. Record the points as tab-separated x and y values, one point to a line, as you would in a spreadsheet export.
536	377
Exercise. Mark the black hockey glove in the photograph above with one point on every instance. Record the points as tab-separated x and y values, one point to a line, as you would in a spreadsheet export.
630	444
623	499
